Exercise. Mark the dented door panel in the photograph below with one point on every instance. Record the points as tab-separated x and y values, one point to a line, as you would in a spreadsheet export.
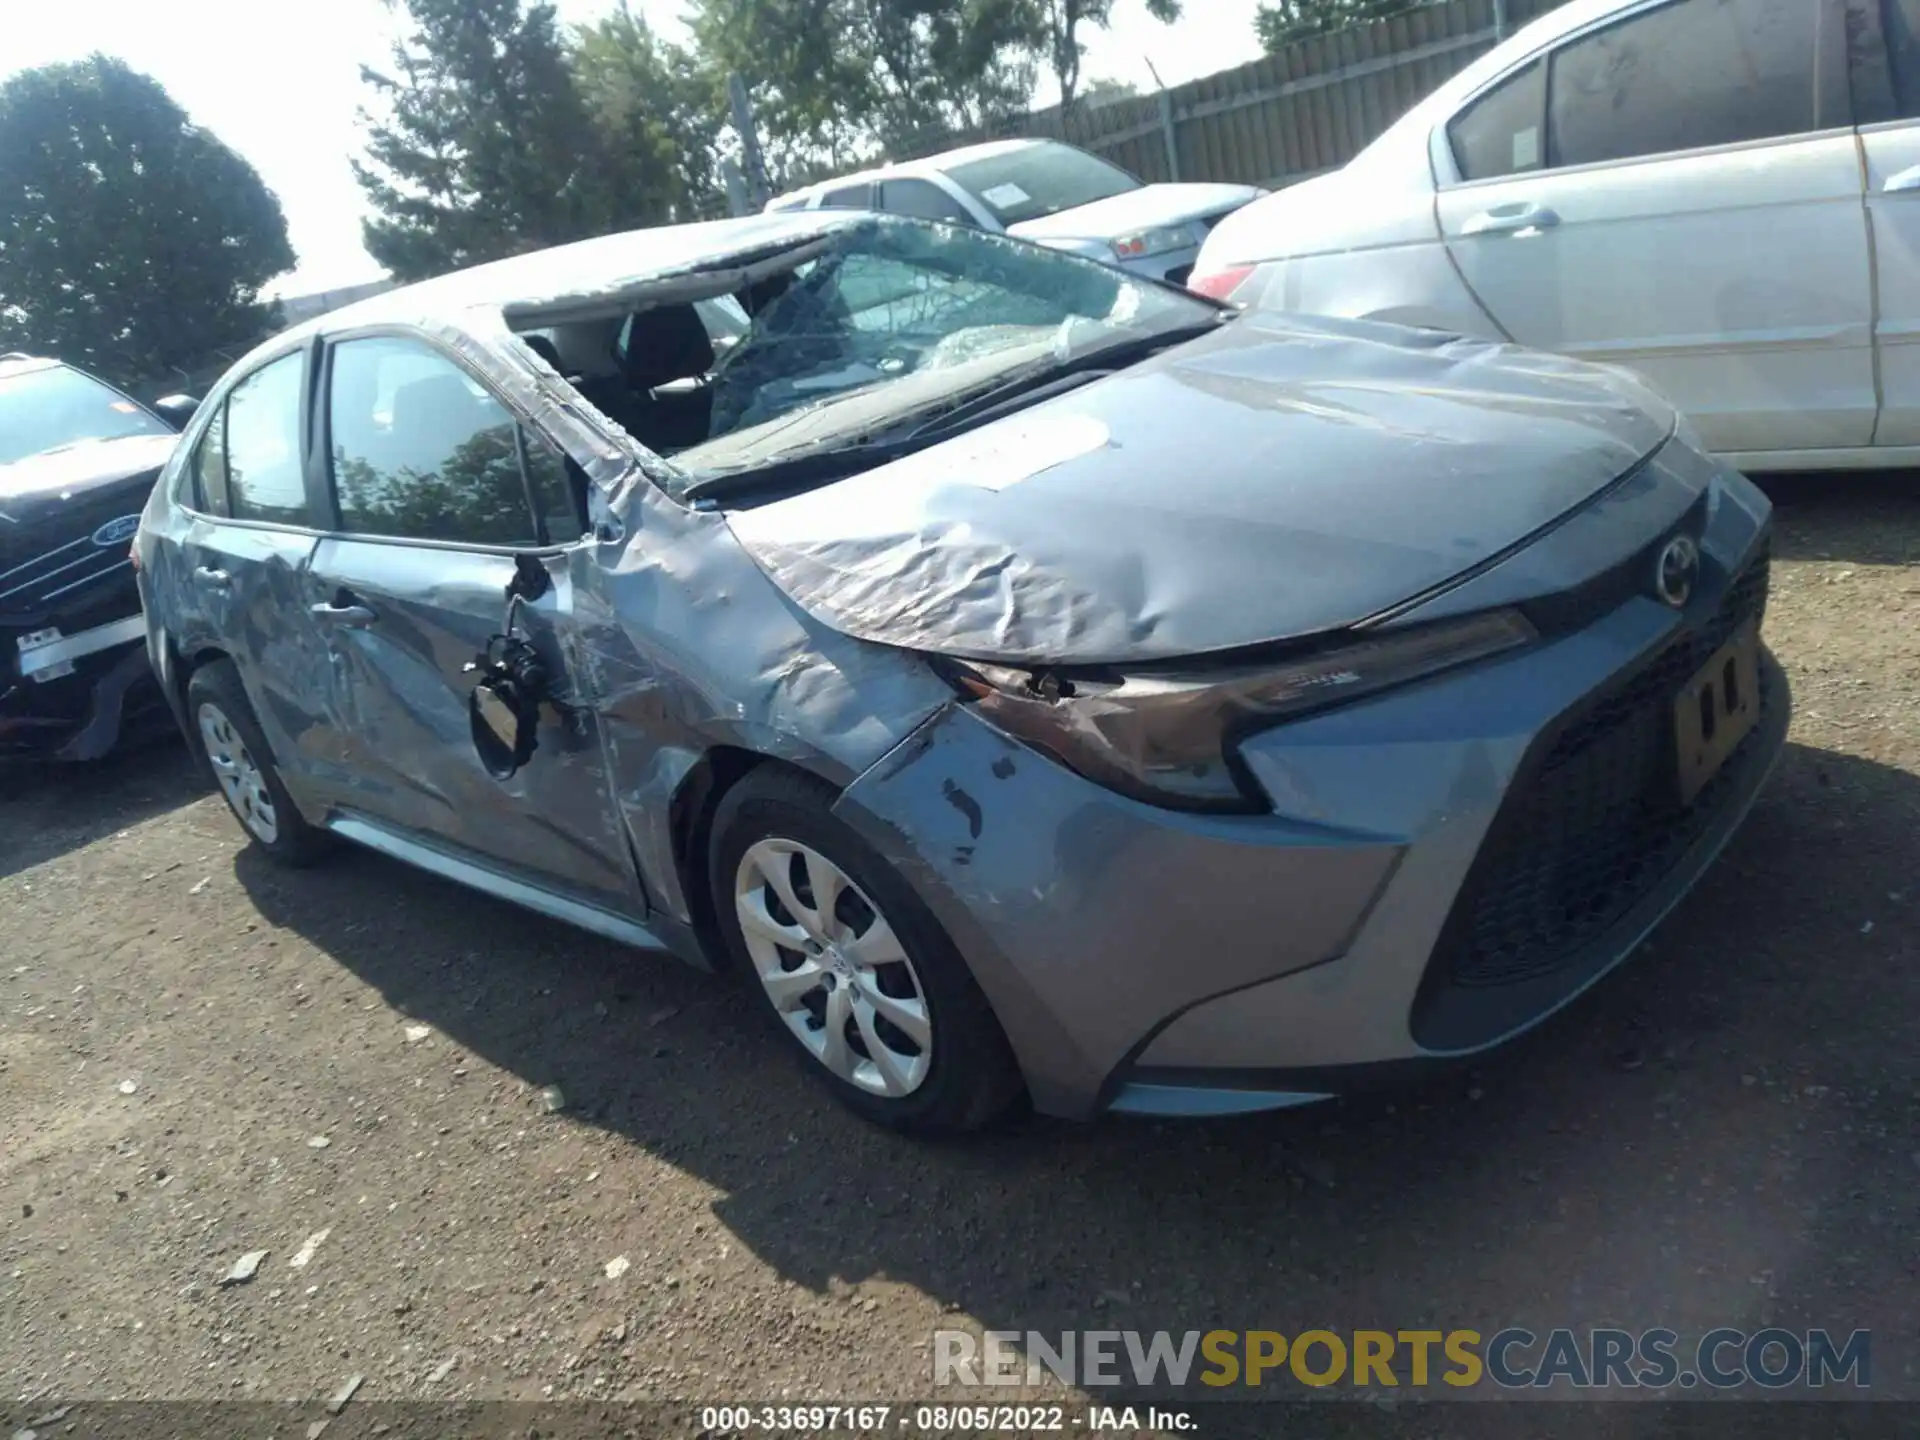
401	691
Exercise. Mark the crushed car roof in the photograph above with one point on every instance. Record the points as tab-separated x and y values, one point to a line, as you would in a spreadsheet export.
587	271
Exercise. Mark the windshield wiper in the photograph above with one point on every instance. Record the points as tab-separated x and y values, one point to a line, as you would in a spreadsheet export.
1048	377
1029	385
808	467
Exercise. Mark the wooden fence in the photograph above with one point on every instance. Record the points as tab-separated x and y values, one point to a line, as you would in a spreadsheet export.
1309	108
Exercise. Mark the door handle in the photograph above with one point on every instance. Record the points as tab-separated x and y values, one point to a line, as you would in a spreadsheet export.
1902	182
353	617
211	579
1511	220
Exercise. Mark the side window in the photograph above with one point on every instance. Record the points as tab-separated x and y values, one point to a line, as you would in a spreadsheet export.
265	479
847	197
203	479
420	450
1694	73
1503	132
923	200
552	490
1901	23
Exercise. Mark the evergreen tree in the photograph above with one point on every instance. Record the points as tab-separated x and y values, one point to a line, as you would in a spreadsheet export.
657	114
479	144
131	240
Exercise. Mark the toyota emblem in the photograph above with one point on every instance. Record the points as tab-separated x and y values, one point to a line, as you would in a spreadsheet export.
1679	568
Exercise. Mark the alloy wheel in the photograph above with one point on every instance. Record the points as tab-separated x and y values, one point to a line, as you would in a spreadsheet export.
241	780
836	972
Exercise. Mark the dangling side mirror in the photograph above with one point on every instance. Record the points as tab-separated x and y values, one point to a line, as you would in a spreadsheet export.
503	710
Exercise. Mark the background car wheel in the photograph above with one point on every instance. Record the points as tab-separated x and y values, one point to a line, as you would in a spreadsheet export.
237	757
851	965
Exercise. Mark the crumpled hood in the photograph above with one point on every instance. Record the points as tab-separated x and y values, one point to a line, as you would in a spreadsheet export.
1140	209
40	484
1284	477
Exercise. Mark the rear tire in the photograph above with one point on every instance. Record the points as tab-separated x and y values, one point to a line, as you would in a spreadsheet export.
868	988
236	757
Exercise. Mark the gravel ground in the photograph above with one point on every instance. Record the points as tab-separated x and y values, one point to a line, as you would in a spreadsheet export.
201	1056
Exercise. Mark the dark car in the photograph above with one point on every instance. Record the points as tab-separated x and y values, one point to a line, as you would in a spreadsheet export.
77	461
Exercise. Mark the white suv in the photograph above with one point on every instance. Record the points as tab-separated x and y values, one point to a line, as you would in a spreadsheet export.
1721	194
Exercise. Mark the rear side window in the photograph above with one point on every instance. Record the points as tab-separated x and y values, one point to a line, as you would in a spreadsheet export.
847	197
923	200
1695	73
265	477
421	450
1504	131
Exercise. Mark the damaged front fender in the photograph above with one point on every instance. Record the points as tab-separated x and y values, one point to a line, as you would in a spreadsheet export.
686	647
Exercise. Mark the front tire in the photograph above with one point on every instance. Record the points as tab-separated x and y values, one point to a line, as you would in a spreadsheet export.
849	963
236	755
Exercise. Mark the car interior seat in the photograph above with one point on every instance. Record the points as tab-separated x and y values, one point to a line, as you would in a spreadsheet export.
546	350
661	346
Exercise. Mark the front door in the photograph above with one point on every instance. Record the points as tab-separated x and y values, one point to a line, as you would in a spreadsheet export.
437	492
1887	89
1679	192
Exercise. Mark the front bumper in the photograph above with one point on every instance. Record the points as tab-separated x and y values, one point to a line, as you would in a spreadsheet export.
1146	960
69	696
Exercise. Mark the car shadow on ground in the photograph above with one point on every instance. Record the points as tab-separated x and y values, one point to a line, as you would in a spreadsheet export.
47	810
1732	1100
1867	517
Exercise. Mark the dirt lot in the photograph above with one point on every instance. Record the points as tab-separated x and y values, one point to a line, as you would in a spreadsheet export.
201	1056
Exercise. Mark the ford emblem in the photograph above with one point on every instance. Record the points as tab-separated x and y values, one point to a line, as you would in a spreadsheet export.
117	532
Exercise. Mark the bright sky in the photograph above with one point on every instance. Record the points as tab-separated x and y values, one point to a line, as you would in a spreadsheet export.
279	81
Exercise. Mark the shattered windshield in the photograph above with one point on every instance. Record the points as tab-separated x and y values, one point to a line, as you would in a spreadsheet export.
895	322
56	408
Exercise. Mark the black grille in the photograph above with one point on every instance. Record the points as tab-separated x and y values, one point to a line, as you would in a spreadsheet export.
1596	824
51	570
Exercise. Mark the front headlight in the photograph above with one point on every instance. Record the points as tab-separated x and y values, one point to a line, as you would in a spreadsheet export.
1158	241
1165	738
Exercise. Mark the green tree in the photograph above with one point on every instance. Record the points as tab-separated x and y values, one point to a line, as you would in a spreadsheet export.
1284	21
1105	91
480	145
131	240
1061	22
837	82
657	115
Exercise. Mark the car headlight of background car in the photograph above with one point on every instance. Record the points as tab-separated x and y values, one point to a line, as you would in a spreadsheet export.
1158	241
1164	737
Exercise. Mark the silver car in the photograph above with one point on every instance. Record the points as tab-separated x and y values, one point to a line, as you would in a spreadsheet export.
1028	678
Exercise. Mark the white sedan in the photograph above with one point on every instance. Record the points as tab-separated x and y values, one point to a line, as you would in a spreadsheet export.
1046	192
1721	194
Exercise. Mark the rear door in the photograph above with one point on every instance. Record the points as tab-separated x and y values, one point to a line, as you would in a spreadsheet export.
1679	190
1887	92
252	527
436	488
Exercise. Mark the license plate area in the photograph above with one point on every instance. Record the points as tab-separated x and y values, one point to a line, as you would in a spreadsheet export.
1715	710
37	640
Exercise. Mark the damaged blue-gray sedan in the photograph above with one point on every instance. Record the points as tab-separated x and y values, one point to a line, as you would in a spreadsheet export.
1029	678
